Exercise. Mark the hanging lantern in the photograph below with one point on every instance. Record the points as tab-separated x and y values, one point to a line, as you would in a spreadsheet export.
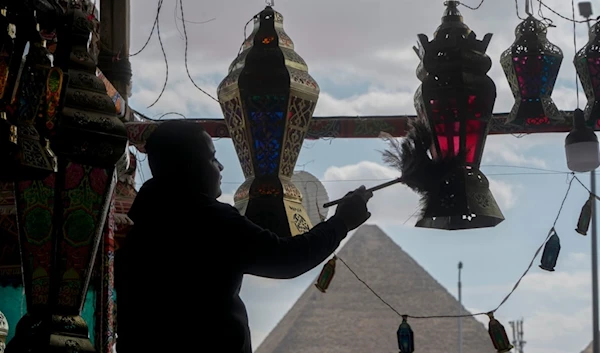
587	64
406	339
498	335
581	146
23	96
456	99
326	275
551	251
61	218
583	224
531	65
268	100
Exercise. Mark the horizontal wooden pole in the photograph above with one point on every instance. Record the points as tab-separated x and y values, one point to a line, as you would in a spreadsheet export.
356	127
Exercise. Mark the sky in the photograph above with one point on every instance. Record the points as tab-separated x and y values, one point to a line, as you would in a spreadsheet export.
360	52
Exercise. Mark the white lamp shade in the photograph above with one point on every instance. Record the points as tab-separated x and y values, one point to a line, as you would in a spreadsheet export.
583	156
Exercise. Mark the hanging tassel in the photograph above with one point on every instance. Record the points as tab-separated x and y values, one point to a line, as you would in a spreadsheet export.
406	339
585	216
551	251
498	335
326	275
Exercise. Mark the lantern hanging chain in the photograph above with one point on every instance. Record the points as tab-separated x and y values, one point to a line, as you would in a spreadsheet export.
162	48
575	50
562	16
550	233
186	54
471	7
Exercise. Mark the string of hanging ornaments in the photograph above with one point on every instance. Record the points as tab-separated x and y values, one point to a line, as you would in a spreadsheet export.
440	156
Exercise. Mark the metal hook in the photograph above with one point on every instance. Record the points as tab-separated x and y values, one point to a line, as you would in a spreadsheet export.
528	6
270	2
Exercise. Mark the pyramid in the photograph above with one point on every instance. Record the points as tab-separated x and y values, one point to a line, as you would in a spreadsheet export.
350	319
589	348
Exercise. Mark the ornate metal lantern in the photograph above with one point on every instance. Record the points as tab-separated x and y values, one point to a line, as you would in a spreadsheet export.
531	65
27	91
61	218
268	99
456	98
587	64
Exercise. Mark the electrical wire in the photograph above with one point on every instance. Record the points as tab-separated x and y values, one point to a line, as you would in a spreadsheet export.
516	285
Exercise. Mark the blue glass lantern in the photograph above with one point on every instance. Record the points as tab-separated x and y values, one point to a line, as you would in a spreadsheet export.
267	100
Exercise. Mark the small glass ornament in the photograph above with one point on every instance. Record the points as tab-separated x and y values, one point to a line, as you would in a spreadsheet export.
583	224
498	335
406	339
551	251
326	275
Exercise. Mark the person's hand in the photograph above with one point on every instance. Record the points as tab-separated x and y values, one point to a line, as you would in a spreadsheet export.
352	210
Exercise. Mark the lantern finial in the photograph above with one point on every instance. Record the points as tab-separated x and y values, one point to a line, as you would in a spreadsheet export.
267	100
452	19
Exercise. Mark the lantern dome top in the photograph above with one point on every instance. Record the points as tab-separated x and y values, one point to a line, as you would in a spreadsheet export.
531	26
452	19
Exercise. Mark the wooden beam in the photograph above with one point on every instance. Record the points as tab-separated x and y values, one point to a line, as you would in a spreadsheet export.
356	127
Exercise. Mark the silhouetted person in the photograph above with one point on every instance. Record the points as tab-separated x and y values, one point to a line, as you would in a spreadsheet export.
179	273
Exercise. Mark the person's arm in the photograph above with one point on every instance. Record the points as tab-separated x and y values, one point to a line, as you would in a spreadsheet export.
265	254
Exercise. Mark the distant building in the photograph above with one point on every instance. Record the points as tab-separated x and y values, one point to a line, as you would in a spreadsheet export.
350	319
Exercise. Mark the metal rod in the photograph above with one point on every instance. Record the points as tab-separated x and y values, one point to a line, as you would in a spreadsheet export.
460	345
595	326
374	188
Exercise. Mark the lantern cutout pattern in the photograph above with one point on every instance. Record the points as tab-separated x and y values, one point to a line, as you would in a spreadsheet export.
61	217
587	64
531	65
326	275
583	224
267	100
551	252
456	99
28	105
406	339
498	335
3	331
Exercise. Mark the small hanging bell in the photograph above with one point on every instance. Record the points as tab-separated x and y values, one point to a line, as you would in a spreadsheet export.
498	335
583	224
551	251
406	339
326	275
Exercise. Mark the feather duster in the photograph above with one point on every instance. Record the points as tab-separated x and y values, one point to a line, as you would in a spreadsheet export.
411	157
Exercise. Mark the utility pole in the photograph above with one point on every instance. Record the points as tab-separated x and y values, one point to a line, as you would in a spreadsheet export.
585	10
460	266
517	331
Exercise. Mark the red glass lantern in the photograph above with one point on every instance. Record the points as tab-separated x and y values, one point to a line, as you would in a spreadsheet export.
587	64
268	99
531	65
456	99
